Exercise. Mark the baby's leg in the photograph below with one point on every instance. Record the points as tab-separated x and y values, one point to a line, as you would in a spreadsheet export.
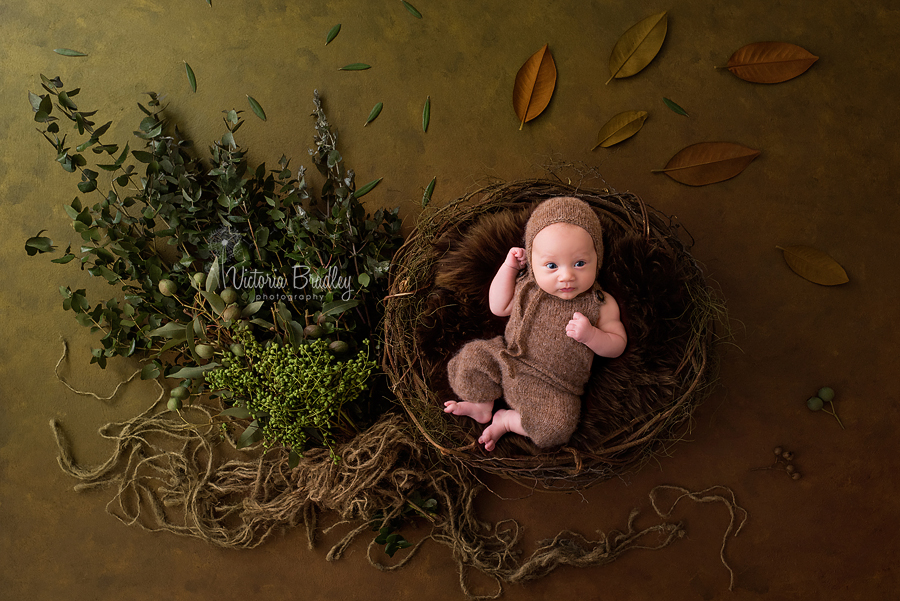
505	420
480	412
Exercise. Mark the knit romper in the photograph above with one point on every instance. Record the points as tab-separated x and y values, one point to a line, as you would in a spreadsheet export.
538	370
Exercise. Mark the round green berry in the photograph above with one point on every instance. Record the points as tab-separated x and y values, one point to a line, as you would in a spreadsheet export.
826	394
814	403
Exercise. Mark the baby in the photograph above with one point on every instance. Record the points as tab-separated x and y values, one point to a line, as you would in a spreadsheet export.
558	320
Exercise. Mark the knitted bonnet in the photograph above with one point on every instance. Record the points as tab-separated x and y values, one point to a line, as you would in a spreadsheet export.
564	209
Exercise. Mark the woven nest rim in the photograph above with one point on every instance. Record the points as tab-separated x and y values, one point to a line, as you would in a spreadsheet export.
625	450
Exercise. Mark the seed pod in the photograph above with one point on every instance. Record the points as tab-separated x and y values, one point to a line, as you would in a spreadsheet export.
174	404
231	313
826	394
789	469
199	279
778	450
787	455
229	295
167	287
313	331
204	351
180	392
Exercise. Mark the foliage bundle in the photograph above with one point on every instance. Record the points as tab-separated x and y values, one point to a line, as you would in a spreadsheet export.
207	257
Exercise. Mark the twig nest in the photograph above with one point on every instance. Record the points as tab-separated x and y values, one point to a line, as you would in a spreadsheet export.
634	405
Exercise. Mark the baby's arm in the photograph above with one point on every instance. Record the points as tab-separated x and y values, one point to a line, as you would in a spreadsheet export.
503	286
608	338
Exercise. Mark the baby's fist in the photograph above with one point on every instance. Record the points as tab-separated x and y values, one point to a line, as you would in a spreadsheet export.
515	258
579	328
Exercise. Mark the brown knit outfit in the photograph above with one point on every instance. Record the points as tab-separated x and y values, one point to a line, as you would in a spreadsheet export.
535	366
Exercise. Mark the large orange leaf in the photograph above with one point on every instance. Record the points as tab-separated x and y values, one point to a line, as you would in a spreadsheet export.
534	85
708	163
770	62
814	265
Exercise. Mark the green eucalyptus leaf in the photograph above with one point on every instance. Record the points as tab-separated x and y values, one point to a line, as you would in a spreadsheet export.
376	110
251	434
355	67
192	79
193	371
426	114
367	188
212	277
332	33
293	459
338	307
675	107
252	308
236	412
173	329
429	190
257	108
68	52
38	244
412	9
150	371
214	300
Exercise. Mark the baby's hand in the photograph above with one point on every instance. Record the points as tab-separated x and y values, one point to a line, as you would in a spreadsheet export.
579	328
515	258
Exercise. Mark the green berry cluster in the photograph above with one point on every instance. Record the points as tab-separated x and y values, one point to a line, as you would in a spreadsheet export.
294	394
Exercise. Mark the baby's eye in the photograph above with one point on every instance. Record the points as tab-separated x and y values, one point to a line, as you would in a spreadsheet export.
580	263
550	265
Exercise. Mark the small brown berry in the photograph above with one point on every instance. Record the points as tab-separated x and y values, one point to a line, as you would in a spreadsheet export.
778	450
795	475
787	455
789	469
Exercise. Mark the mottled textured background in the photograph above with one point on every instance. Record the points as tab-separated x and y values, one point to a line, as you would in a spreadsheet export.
825	178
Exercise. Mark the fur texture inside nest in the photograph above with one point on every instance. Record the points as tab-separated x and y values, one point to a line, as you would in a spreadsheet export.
632	402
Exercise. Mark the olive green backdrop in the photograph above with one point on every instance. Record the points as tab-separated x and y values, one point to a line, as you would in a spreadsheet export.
826	178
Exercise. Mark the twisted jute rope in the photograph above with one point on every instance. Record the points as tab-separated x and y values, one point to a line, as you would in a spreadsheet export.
176	471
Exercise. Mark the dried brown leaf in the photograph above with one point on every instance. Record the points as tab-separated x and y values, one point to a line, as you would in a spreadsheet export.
638	46
814	265
534	85
708	163
621	127
770	62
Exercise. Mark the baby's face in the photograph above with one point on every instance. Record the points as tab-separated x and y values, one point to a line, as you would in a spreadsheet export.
563	260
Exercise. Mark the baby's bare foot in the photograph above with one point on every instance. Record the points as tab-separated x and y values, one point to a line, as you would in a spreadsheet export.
480	412
505	420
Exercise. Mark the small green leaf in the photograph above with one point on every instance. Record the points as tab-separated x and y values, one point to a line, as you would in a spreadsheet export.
251	434
376	110
257	108
38	244
192	79
252	308
173	329
338	307
332	33
236	412
355	67
412	9
150	371
426	198
363	279
64	259
293	459
212	278
367	188
426	114
214	300
193	371
675	107
68	52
